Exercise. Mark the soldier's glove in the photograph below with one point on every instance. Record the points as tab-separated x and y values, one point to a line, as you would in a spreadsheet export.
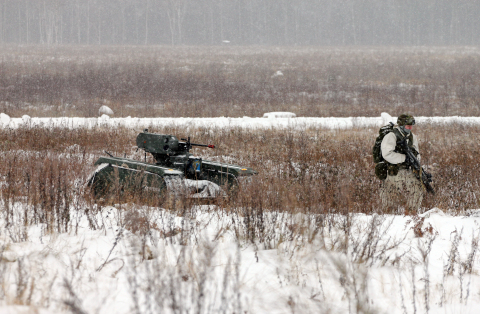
428	176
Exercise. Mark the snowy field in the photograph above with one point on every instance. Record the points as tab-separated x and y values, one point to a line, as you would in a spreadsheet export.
201	264
133	259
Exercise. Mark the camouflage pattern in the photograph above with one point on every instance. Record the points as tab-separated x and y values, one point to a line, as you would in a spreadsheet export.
377	151
405	119
402	190
381	170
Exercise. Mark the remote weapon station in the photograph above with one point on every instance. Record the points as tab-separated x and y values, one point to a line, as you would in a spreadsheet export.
175	170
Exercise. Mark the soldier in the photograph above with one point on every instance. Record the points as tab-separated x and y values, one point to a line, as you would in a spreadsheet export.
401	187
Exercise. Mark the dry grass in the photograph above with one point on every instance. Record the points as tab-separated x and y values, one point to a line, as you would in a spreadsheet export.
314	171
238	81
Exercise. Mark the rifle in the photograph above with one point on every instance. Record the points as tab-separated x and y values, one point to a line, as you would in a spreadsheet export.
424	177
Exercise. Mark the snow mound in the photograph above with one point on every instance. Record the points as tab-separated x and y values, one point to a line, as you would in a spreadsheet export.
433	211
277	74
26	119
104	117
386	118
105	110
279	115
4	119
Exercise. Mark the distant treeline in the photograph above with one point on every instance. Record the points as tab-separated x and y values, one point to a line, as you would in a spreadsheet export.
241	22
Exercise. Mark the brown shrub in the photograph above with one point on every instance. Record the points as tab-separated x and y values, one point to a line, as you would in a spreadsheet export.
313	171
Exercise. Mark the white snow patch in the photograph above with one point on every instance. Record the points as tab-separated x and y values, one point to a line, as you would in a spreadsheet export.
4	119
433	211
105	110
279	114
104	117
386	118
278	73
26	119
281	120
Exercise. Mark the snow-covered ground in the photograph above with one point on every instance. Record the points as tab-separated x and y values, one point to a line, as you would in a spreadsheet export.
270	120
134	259
203	263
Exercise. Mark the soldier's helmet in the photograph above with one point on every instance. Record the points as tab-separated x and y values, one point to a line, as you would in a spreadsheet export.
405	119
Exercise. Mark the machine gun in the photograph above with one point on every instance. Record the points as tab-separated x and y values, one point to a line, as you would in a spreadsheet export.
168	151
424	177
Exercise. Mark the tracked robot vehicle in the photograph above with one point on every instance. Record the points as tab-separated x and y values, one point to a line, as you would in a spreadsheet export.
175	170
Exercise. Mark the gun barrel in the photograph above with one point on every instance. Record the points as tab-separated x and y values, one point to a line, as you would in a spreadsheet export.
201	145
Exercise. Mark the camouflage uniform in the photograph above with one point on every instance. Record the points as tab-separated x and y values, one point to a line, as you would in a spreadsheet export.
401	187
